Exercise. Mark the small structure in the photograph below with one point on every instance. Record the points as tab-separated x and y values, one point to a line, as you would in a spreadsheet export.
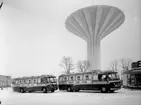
132	78
5	81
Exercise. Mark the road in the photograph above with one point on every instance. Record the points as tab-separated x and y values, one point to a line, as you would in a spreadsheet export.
121	97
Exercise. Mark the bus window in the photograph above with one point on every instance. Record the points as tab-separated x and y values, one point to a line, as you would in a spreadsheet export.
13	82
60	79
24	81
29	81
71	78
103	77
43	80
99	77
95	77
78	77
47	80
34	81
39	80
113	76
87	77
65	79
16	82
52	80
20	81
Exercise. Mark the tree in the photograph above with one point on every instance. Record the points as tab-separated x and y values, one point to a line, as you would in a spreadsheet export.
82	65
114	66
67	64
125	64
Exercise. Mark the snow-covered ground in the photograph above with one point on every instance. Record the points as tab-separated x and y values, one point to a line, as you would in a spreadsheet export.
121	97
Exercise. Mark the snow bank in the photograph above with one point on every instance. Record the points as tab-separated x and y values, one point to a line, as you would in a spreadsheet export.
121	97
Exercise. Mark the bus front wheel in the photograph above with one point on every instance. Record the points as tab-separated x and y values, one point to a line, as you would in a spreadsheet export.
22	90
104	90
44	90
69	89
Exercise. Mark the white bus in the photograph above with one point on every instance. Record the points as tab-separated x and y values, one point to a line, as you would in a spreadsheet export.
106	81
43	83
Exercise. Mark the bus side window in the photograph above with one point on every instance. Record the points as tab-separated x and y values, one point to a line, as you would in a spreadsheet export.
71	78
87	77
103	77
48	80
39	80
78	77
13	82
43	80
99	77
24	81
65	79
29	81
20	82
95	77
34	81
16	82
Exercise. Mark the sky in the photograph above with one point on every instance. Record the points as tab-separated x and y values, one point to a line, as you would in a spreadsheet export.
33	37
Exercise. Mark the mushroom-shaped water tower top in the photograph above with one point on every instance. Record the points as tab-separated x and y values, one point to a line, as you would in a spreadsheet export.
92	24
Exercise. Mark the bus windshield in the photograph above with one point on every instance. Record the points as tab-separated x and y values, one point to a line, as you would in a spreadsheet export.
114	76
52	79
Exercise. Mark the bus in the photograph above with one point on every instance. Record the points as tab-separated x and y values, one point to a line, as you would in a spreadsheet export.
42	83
106	81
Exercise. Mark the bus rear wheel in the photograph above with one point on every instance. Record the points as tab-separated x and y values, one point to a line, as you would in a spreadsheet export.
69	89
22	90
44	90
104	90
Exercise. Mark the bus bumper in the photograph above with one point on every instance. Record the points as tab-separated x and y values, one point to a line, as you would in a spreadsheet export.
114	88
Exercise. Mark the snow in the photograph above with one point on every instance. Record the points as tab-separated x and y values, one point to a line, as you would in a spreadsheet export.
121	97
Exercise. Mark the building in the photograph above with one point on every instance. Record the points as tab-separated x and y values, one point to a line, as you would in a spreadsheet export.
132	78
5	81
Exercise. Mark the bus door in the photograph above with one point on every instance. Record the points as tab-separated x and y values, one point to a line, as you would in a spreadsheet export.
44	81
132	80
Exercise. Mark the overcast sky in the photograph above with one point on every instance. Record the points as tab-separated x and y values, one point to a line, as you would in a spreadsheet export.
33	37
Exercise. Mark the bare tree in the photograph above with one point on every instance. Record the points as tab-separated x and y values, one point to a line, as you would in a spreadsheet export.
125	64
83	65
80	66
114	66
96	71
67	64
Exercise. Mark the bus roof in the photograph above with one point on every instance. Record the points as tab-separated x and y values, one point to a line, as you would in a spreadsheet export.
133	71
90	72
33	77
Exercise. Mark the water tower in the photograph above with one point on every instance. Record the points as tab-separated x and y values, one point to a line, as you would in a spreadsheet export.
92	24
